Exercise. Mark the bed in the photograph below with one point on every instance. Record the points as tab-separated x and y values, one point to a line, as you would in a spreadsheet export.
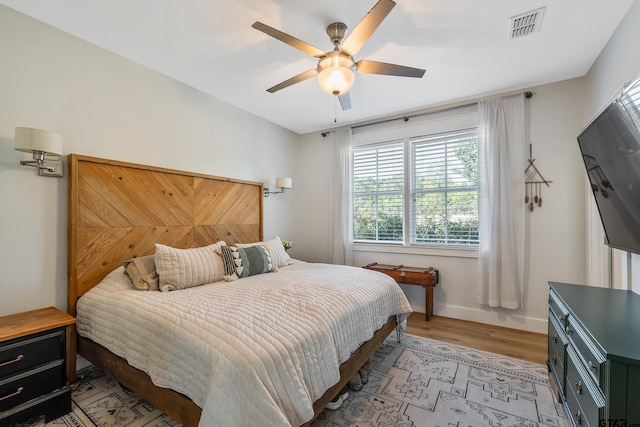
119	211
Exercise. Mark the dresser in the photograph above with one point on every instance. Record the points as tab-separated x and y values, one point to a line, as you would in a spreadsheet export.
594	353
33	365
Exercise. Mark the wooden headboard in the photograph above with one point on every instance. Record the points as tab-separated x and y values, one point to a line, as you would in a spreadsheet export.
119	210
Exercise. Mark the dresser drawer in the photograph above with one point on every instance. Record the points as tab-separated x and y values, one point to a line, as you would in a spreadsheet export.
585	402
557	309
27	385
557	340
556	370
592	358
22	354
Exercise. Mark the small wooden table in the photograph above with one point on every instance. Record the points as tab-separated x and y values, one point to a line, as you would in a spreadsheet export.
426	277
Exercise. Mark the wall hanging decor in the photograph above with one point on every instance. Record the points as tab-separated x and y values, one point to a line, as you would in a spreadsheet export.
533	184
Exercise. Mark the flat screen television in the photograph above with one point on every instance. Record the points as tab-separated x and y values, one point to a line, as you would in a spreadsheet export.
610	147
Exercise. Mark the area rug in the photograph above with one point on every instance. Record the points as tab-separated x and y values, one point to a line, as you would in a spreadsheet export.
415	383
421	382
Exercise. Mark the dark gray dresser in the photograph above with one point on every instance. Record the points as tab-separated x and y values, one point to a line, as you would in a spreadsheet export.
594	353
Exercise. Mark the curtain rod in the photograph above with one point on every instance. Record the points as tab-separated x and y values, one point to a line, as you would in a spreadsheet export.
528	94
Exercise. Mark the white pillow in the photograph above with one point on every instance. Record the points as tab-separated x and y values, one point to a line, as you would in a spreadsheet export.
185	268
279	256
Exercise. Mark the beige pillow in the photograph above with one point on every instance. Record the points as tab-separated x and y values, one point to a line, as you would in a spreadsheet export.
142	271
279	256
185	268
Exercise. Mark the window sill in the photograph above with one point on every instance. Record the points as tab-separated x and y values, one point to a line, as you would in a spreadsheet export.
441	251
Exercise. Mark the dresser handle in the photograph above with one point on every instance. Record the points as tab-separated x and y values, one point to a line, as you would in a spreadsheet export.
579	387
17	359
579	417
555	337
560	317
17	392
591	365
568	330
555	359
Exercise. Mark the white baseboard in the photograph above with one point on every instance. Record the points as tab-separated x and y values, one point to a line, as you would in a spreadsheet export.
493	317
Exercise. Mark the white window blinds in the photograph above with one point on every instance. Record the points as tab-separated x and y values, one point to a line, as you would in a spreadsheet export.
444	189
416	183
378	192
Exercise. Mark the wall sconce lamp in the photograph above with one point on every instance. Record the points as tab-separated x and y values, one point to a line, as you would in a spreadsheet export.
282	183
40	143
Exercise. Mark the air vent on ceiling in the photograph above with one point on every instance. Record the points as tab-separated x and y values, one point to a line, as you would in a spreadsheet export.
526	23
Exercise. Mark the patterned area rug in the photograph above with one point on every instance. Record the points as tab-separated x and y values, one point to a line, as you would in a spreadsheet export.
421	382
416	383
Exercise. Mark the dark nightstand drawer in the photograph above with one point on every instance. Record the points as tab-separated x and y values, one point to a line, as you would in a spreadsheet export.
20	354
26	386
52	405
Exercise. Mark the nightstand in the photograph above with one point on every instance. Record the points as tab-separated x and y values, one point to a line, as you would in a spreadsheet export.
426	277
33	365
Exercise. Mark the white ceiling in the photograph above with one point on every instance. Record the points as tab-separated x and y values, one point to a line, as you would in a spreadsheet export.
463	44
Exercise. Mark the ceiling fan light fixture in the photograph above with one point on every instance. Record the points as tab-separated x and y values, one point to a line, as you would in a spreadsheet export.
335	73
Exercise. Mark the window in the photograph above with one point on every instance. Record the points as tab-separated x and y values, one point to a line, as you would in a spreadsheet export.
378	193
444	189
421	190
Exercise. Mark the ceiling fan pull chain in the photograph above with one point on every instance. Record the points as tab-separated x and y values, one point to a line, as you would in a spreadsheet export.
335	108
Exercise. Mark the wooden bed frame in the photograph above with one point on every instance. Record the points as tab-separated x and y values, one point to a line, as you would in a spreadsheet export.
119	210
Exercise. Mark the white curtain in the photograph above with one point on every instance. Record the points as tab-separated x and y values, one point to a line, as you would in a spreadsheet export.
501	165
340	197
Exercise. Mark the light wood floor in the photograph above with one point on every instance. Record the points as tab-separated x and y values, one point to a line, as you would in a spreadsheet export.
515	343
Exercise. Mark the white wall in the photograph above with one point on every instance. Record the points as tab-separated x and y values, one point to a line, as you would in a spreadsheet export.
106	106
312	204
617	65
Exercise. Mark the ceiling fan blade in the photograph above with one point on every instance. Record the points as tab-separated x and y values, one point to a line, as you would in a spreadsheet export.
290	40
375	67
293	80
345	101
361	33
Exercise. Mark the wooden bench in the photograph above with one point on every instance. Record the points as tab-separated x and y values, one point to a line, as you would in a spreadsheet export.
426	277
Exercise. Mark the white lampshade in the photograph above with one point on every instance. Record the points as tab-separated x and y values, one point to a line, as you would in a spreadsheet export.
283	182
30	140
334	73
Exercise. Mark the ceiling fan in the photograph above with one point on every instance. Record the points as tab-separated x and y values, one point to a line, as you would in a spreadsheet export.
335	68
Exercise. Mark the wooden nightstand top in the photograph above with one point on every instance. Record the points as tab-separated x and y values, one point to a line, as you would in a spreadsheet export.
30	322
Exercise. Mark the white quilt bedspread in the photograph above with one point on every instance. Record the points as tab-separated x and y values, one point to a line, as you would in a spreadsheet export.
254	352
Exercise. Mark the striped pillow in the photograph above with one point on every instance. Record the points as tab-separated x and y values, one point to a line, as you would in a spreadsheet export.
279	256
245	262
185	268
